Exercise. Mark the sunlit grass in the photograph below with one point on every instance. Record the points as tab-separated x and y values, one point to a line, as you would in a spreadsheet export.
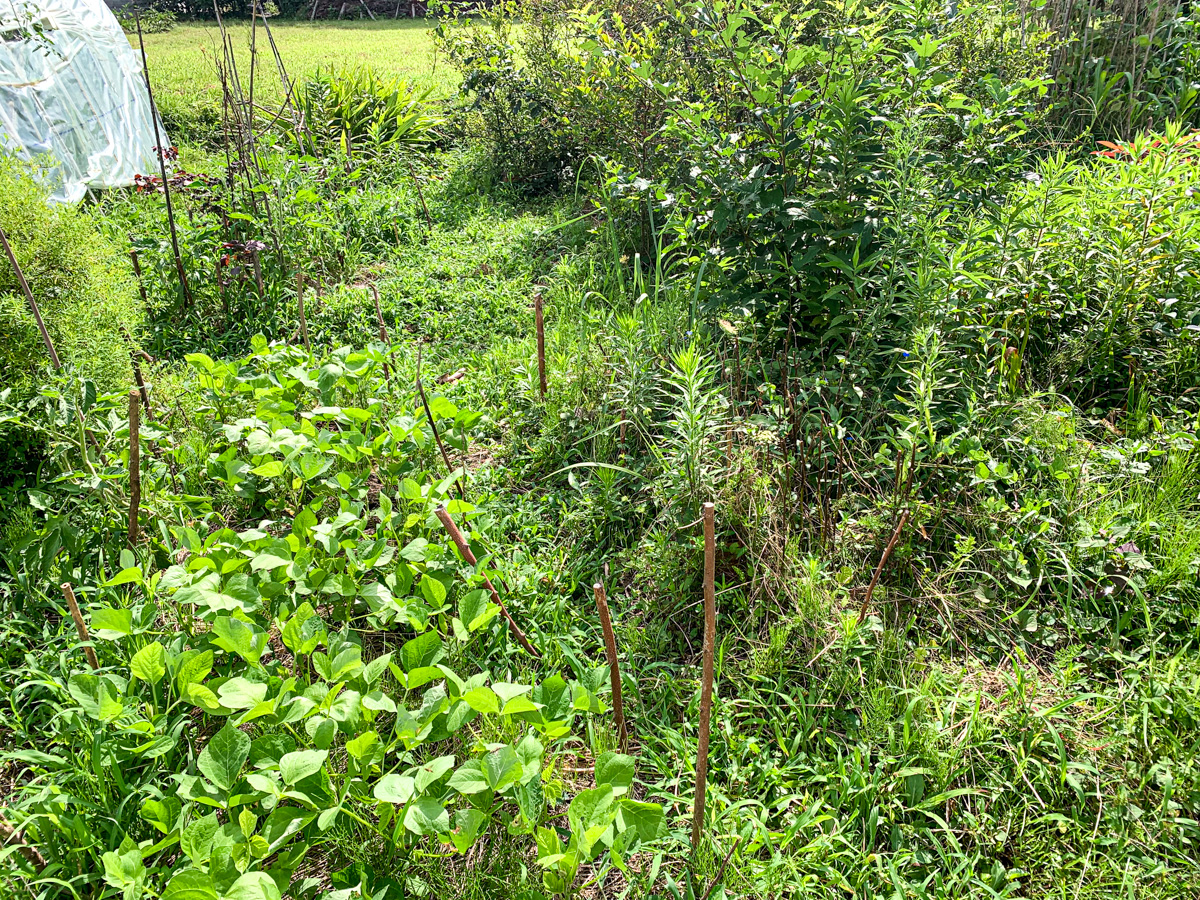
183	63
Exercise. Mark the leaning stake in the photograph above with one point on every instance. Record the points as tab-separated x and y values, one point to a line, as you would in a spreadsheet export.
706	684
37	313
461	543
80	625
162	166
541	343
610	648
135	466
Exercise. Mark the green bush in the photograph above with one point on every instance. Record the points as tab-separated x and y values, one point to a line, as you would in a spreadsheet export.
82	285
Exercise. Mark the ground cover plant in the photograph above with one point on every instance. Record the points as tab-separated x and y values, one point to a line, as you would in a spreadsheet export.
452	377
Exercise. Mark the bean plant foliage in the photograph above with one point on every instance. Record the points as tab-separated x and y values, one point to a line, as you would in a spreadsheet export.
242	707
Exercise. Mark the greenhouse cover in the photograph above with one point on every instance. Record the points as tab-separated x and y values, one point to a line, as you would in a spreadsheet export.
72	96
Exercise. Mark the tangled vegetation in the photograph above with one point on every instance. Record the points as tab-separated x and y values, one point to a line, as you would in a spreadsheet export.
910	293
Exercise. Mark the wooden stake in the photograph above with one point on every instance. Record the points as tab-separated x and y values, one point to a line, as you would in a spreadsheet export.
162	165
461	543
383	334
80	625
37	313
300	304
541	343
706	684
10	837
436	436
137	271
610	648
258	274
135	466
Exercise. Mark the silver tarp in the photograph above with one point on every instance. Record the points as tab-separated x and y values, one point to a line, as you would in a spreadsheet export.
72	96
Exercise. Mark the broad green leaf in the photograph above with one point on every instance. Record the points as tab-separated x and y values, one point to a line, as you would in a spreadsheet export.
468	778
240	693
112	624
647	819
414	550
300	764
150	663
253	886
427	816
424	650
482	700
222	759
468	823
591	814
162	814
191	667
197	838
132	575
282	823
502	768
97	696
235	636
190	884
615	769
396	789
431	771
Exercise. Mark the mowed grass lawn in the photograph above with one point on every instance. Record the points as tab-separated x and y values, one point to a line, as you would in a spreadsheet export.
187	88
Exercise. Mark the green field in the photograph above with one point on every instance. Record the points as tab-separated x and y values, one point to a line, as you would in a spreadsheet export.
183	64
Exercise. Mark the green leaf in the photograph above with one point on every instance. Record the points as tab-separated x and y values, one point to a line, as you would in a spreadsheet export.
615	769
162	814
423	650
253	886
397	789
482	700
222	760
432	771
270	469
475	610
300	764
427	816
468	778
192	667
240	693
590	815
414	550
132	575
468	823
282	824
197	838
502	768
269	561
150	663
235	636
112	624
647	819
97	696
190	884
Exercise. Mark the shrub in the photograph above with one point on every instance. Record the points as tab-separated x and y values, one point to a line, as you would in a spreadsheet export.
153	21
82	285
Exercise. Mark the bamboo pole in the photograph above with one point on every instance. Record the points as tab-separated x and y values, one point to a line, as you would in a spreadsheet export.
37	313
262	292
135	466
610	648
300	305
137	271
464	549
162	165
706	684
80	625
541	343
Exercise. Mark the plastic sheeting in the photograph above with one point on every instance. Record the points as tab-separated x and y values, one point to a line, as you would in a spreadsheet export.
72	96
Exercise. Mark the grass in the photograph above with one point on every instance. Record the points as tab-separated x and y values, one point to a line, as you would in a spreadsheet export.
184	74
